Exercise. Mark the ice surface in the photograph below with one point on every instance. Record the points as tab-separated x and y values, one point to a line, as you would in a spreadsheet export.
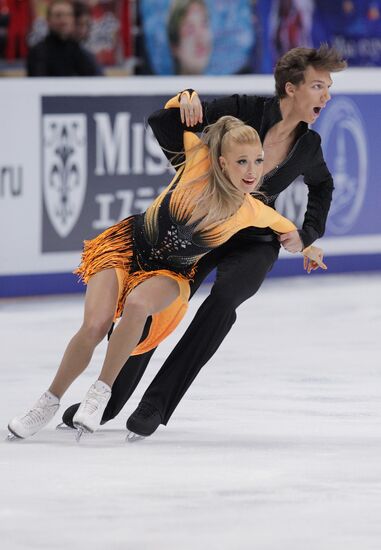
276	446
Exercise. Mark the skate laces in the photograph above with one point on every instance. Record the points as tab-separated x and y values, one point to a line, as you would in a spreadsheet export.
34	417
39	413
93	401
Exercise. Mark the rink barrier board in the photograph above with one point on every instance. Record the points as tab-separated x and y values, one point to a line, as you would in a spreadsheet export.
121	170
67	283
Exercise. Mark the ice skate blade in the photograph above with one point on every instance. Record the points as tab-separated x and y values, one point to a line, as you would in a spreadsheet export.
80	430
13	437
133	437
64	427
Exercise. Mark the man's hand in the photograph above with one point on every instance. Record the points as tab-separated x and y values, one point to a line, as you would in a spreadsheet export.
291	242
190	110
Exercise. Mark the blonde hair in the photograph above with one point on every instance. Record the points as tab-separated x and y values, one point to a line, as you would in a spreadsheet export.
220	199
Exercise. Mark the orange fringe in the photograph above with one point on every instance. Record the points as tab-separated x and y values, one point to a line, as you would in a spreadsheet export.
113	249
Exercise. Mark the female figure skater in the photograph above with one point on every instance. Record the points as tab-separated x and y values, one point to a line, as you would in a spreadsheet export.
141	266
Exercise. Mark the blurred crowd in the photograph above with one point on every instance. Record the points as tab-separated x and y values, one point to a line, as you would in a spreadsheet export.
164	37
64	37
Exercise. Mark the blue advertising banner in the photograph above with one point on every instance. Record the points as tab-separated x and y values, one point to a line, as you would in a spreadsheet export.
350	136
284	24
213	37
101	163
352	26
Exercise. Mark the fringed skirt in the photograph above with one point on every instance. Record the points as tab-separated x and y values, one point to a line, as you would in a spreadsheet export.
114	249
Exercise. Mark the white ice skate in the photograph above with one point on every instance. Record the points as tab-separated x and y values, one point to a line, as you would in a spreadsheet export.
89	415
34	420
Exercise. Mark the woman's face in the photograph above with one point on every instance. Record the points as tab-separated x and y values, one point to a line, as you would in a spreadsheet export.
243	165
194	47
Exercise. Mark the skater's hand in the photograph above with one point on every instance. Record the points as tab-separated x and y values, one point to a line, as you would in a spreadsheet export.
190	109
313	258
291	241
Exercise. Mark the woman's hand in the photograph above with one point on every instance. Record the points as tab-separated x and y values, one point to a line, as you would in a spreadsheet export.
190	109
313	258
291	241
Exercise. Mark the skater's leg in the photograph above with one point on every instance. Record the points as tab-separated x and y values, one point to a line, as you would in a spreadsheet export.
100	304
240	275
150	297
126	383
134	368
122	389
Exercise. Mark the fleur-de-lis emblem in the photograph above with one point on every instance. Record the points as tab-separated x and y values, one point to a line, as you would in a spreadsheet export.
65	169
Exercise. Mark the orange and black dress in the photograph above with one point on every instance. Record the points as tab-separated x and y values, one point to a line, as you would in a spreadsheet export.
162	242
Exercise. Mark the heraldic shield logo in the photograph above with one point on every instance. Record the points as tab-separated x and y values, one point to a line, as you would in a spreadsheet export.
64	169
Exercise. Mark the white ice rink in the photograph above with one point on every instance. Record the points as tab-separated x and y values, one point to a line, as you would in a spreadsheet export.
277	446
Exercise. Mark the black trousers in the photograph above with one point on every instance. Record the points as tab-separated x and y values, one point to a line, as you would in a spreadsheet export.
241	266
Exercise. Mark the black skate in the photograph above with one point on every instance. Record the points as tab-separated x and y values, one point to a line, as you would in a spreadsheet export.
67	418
143	422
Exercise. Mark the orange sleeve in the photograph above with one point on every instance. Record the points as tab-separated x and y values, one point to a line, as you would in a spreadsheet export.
197	157
173	103
268	217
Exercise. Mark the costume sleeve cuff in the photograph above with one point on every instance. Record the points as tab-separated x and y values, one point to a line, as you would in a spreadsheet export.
308	237
174	102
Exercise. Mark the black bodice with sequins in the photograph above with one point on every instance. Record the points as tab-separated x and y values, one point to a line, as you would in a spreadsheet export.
174	247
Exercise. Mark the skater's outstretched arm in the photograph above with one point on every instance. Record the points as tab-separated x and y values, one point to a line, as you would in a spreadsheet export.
169	124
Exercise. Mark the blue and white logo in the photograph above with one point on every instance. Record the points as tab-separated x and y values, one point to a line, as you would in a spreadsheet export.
65	169
344	143
292	202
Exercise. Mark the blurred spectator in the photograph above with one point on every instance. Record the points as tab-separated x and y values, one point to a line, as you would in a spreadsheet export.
190	36
59	53
83	23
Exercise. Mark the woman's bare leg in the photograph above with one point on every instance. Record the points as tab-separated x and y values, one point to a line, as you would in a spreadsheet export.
151	296
100	304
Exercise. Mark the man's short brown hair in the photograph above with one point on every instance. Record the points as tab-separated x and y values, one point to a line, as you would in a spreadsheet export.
293	64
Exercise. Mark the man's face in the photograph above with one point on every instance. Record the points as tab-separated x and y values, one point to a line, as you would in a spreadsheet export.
61	19
312	95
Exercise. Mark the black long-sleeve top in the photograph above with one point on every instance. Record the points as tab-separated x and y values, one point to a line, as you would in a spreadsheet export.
305	158
54	56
